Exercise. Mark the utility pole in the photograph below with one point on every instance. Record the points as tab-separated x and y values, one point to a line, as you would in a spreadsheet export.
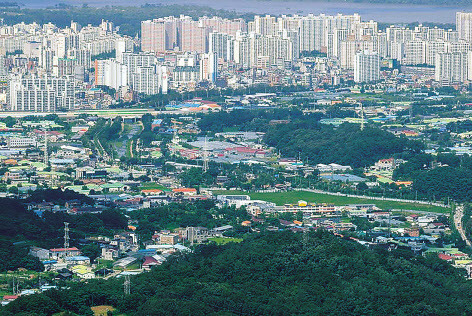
305	238
66	235
46	154
362	117
205	156
127	285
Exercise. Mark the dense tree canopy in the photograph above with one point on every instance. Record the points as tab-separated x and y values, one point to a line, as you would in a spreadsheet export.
439	177
346	144
22	226
200	213
279	274
246	120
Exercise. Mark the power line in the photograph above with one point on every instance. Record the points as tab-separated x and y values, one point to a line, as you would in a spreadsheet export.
362	117
205	156
127	285
66	235
46	154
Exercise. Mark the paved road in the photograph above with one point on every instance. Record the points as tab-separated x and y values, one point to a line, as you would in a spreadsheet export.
458	214
121	150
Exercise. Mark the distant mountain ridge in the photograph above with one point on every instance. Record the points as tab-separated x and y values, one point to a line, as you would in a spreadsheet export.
407	2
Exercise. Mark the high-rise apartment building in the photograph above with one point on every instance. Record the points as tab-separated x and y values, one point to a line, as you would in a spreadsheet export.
451	68
40	94
464	25
367	67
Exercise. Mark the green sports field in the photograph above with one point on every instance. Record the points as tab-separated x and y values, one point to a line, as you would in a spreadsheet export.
290	197
225	240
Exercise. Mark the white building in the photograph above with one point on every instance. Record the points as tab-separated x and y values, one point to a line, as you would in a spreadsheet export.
451	68
209	67
367	67
41	94
111	73
464	25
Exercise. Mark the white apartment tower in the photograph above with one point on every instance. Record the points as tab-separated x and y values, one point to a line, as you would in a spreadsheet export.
40	94
451	68
464	25
367	67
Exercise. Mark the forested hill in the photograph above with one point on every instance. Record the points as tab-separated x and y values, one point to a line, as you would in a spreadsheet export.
275	274
346	144
21	228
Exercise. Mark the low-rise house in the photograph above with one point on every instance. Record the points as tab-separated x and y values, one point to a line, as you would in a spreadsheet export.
59	253
102	272
169	239
151	192
8	299
124	262
110	253
218	231
185	191
197	234
40	253
434	228
150	262
425	220
78	260
83	272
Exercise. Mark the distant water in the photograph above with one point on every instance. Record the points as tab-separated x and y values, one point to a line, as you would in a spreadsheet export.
388	13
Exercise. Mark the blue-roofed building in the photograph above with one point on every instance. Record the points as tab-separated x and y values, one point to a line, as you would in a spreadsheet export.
78	260
343	177
156	123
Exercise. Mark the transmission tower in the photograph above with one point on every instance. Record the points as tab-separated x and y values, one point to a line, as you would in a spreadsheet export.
127	285
305	238
205	156
46	154
66	235
362	117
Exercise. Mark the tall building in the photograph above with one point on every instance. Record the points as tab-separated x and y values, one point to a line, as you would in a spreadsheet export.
415	52
40	94
242	50
311	33
111	73
159	35
209	67
464	25
194	36
150	80
219	44
264	25
367	67
132	61
226	26
123	45
451	68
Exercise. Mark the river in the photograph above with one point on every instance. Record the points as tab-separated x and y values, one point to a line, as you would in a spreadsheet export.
389	13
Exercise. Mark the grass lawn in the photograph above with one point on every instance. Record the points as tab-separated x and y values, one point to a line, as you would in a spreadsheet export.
128	148
224	241
290	197
102	263
102	310
153	186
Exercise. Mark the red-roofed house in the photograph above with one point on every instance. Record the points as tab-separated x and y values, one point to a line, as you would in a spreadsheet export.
10	298
58	253
443	256
150	262
185	191
151	192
